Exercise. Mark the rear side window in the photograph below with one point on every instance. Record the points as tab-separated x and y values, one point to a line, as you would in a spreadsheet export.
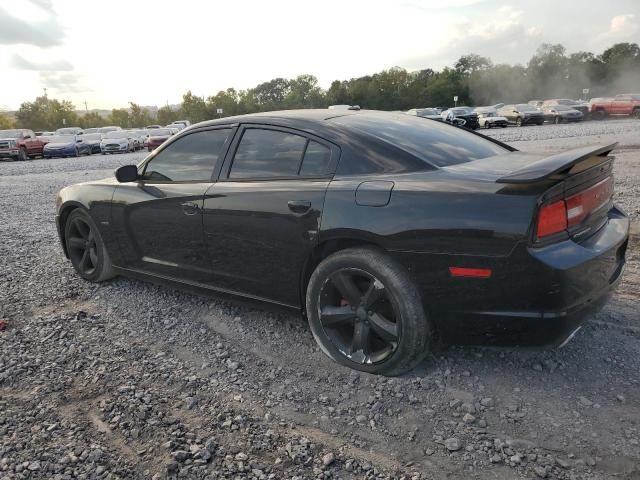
190	158
267	153
316	160
431	141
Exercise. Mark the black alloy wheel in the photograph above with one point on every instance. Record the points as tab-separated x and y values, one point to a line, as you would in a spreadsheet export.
358	316
365	312
85	247
519	122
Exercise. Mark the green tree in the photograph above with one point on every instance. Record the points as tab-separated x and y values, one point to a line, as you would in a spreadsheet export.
5	121
194	108
166	115
120	117
138	116
304	93
92	120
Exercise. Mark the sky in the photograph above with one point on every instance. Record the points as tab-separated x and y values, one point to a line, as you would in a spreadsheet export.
152	52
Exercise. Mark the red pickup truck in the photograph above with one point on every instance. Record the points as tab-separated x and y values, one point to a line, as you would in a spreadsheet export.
20	144
623	104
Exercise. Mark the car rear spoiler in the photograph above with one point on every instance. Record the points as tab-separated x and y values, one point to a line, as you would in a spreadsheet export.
558	164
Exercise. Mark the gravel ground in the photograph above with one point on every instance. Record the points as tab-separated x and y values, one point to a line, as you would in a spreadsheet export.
131	380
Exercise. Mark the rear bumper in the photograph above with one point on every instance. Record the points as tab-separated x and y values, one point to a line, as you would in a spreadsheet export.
535	296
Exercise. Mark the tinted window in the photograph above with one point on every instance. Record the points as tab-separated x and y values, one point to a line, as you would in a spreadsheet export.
316	159
434	142
190	158
267	153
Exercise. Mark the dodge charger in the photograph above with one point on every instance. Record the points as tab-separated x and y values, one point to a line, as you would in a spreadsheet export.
388	232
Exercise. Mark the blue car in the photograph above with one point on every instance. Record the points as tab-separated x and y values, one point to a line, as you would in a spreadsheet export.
66	146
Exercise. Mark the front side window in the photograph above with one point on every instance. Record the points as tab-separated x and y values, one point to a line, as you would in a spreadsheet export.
188	159
267	153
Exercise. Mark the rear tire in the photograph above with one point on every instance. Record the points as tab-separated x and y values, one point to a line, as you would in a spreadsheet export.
365	312
600	114
85	247
636	113
518	122
557	120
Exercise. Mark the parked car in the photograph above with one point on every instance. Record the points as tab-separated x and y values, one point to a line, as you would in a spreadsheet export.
623	104
185	123
580	105
112	128
117	141
491	119
149	127
522	114
20	144
93	140
175	127
430	113
143	137
388	230
66	146
561	114
135	136
92	130
535	103
69	131
157	137
464	113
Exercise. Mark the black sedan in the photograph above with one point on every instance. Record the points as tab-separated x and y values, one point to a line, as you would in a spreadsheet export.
465	113
387	231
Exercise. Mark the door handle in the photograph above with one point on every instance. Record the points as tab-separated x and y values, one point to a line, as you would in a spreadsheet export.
190	208
299	206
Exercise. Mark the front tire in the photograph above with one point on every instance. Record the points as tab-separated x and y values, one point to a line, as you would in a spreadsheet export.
365	312
22	155
557	120
518	122
86	249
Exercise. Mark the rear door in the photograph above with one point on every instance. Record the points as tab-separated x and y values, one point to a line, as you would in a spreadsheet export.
158	219
262	217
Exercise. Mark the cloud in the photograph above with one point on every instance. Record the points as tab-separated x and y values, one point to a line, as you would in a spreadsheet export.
42	33
20	63
504	36
624	26
62	82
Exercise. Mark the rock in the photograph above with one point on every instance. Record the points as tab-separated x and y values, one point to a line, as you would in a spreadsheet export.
537	367
328	459
468	418
621	398
455	403
33	466
540	471
361	418
482	423
241	457
180	455
585	401
468	407
496	458
487	402
562	462
516	459
190	402
453	444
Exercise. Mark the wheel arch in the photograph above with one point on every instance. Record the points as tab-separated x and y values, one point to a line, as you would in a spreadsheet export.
327	247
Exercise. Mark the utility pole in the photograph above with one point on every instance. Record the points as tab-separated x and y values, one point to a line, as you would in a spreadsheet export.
45	91
86	109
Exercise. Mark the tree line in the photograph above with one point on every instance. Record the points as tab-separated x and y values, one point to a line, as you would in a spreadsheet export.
474	79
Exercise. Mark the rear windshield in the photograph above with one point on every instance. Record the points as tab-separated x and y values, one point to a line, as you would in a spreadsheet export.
433	142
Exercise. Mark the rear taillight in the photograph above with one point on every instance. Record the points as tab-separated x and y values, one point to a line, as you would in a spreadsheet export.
585	202
556	217
552	219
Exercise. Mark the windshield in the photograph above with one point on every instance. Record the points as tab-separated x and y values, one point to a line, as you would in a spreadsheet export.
433	142
62	139
560	108
109	129
91	136
10	133
159	132
116	134
91	130
65	131
423	112
523	107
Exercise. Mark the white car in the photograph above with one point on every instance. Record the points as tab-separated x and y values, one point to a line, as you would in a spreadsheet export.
488	118
118	141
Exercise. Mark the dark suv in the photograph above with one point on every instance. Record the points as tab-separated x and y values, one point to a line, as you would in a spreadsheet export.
522	114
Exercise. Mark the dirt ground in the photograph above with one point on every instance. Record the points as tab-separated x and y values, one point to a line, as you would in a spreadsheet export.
132	380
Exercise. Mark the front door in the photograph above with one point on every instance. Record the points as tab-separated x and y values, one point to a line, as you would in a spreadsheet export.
262	218
158	219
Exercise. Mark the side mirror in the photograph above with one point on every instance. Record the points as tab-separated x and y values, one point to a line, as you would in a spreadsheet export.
127	173
79	140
